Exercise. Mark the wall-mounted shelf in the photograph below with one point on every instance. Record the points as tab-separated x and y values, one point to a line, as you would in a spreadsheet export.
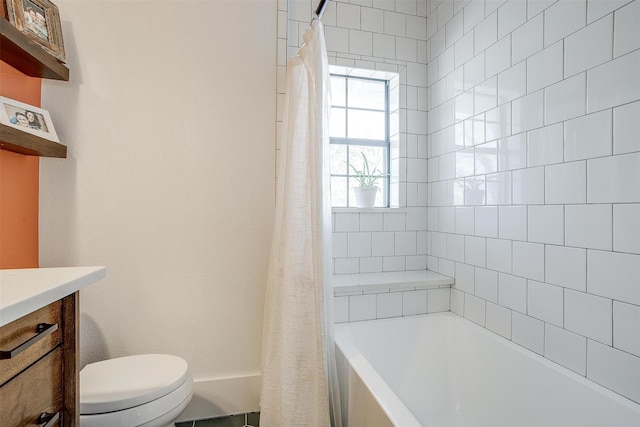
30	58
20	142
27	56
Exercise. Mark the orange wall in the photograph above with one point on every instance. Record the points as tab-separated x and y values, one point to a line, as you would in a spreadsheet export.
19	176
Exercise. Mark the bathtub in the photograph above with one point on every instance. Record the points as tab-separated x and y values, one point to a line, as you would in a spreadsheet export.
443	370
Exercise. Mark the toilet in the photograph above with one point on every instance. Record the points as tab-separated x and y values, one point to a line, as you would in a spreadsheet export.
148	390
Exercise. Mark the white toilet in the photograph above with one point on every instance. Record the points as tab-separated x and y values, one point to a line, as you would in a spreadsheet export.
148	390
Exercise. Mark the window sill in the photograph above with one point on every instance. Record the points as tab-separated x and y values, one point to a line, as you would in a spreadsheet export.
392	281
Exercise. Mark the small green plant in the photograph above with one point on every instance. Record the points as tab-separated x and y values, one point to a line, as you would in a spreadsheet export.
365	176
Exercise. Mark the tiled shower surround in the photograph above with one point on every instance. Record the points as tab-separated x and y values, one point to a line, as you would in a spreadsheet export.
532	153
534	176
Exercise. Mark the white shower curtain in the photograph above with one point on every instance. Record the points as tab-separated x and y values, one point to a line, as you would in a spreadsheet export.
299	382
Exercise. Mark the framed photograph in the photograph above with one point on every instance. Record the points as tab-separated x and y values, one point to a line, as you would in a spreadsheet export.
27	118
40	21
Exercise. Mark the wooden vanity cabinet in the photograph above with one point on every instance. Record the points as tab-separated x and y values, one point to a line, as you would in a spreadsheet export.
39	367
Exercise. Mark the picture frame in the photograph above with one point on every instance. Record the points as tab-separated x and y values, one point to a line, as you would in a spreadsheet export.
27	118
39	20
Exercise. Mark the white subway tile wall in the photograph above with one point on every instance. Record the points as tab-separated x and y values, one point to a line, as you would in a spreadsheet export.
528	332
384	36
613	369
520	169
566	348
551	251
498	319
382	304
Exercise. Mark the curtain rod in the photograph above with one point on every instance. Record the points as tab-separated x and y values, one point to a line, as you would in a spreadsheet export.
320	8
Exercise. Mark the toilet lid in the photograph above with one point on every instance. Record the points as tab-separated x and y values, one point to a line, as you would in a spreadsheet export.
125	382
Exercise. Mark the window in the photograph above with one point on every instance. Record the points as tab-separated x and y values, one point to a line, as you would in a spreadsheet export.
359	125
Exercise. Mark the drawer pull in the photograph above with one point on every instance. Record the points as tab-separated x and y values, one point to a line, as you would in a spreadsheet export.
47	419
42	330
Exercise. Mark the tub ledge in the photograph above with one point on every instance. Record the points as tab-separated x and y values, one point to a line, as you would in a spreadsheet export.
392	281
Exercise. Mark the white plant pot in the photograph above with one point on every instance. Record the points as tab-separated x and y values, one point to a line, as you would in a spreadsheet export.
365	196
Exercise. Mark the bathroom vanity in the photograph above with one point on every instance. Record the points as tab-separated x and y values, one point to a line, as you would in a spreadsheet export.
39	363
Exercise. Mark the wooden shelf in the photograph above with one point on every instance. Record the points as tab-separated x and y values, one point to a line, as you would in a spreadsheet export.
12	139
31	59
27	56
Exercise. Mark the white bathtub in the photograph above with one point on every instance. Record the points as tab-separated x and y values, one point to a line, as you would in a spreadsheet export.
442	370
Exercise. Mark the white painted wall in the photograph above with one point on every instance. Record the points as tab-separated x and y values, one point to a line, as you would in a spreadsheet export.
169	117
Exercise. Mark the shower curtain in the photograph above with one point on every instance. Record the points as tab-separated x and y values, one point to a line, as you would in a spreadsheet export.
299	381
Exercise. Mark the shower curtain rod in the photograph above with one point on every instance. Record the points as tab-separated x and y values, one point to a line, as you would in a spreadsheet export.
320	8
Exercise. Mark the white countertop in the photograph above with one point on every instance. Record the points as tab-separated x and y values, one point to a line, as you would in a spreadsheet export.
348	284
23	291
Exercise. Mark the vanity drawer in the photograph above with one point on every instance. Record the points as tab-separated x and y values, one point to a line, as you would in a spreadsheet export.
31	337
34	394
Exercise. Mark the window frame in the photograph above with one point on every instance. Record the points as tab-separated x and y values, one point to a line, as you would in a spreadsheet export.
348	142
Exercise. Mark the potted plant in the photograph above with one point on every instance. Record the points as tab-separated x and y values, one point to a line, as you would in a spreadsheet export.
366	192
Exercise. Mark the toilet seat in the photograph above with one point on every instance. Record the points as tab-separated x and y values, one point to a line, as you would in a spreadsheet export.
134	390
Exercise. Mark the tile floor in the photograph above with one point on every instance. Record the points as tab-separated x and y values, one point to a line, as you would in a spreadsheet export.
241	420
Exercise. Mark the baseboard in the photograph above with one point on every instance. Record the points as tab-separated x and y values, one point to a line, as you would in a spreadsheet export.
223	396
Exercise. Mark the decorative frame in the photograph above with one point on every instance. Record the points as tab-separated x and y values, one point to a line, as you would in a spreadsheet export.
14	114
39	20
